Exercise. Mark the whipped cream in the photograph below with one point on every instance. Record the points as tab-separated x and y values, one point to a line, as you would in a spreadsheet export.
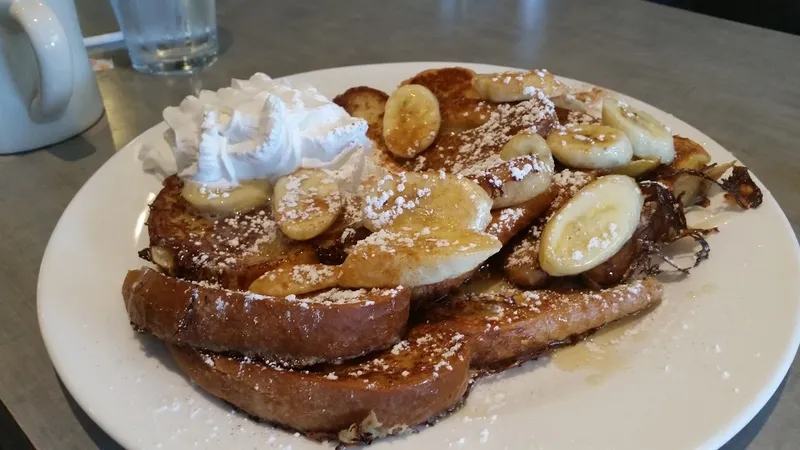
260	129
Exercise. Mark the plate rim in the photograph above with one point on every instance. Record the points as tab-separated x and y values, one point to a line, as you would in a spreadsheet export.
719	438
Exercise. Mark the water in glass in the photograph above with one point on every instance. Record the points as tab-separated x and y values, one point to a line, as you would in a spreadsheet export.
168	36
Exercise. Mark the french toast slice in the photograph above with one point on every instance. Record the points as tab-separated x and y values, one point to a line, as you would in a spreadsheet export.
521	265
692	173
478	129
459	105
419	379
330	325
571	117
368	104
509	221
453	88
334	243
475	151
232	251
653	225
473	131
505	224
689	155
508	328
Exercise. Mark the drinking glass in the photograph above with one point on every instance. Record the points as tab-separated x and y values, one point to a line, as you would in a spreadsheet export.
168	36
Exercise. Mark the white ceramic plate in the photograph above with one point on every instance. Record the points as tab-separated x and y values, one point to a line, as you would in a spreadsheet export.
688	375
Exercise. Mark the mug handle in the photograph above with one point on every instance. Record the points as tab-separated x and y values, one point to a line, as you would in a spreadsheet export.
52	54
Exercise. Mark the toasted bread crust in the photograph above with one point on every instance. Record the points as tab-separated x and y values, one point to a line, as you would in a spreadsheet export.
334	243
459	105
232	251
612	272
368	104
568	117
507	222
689	155
504	330
467	152
299	330
426	295
418	379
522	261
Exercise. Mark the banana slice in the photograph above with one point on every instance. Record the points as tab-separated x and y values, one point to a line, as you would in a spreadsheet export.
592	226
592	146
241	199
593	99
534	183
432	199
163	258
637	167
306	203
570	102
649	137
516	86
526	143
415	256
296	280
411	120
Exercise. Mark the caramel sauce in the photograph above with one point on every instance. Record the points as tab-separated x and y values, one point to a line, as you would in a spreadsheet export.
489	279
600	355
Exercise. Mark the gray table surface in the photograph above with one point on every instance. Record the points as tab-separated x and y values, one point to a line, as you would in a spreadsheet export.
736	83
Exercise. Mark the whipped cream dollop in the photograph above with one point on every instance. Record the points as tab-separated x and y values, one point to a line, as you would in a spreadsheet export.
260	129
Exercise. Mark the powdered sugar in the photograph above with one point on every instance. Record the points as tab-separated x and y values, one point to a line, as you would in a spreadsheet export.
519	174
382	205
466	152
311	273
507	220
306	196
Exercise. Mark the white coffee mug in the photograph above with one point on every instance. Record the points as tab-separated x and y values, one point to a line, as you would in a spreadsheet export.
48	92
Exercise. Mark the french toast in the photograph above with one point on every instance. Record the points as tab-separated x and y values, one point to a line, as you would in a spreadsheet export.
333	244
419	379
231	250
473	131
689	155
692	173
505	224
472	135
505	329
459	105
368	104
657	224
570	117
424	270
615	269
474	151
300	330
508	222
521	264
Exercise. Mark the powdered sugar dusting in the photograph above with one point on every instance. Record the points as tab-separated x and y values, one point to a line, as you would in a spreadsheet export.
507	220
302	202
384	204
467	152
311	273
